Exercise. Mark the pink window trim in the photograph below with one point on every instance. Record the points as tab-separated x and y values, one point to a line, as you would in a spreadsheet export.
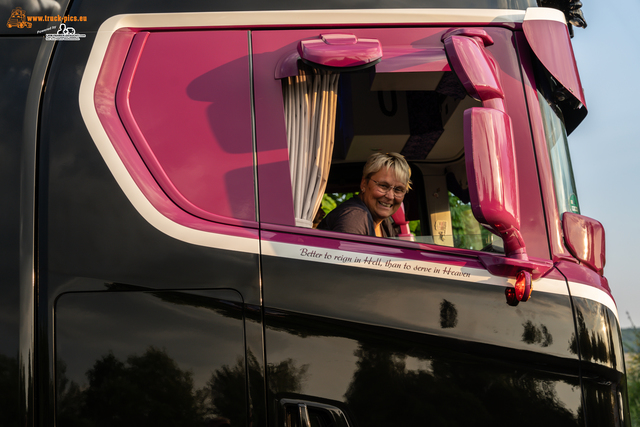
105	104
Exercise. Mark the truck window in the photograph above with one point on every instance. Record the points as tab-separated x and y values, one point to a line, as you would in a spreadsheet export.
557	145
335	121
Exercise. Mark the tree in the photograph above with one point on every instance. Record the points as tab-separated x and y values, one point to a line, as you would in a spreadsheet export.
467	232
633	381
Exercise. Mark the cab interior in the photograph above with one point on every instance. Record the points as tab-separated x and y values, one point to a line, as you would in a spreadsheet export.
419	115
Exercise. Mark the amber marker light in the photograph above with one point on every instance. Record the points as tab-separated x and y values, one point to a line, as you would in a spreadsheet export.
521	291
510	293
523	286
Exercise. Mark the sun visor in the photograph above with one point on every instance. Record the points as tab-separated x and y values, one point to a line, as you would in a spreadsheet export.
342	52
422	68
547	34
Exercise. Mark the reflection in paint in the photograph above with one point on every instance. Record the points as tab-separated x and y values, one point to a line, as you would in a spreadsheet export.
448	315
152	389
533	334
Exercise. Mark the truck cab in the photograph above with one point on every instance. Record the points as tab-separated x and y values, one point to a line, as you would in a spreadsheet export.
172	166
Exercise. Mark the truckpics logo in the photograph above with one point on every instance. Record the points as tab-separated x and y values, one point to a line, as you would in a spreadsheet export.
18	19
65	34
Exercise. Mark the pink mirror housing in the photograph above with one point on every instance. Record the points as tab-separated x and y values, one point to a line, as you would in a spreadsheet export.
474	66
584	238
399	218
492	176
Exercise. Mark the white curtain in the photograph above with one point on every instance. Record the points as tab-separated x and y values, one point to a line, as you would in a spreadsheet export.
310	101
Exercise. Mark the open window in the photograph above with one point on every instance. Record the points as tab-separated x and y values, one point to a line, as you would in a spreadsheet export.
410	103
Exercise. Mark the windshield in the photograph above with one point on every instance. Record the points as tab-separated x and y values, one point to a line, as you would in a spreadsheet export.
557	146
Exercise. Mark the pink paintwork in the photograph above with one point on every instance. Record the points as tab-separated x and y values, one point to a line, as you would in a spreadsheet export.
478	33
475	67
340	50
586	276
188	113
105	104
542	162
551	43
399	218
510	70
287	66
510	267
492	172
584	237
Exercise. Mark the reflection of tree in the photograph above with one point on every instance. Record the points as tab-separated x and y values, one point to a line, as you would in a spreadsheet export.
449	393
448	315
401	396
9	383
536	335
152	390
70	399
589	342
226	388
146	390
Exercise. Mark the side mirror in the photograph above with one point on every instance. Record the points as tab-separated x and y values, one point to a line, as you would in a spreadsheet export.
399	218
474	65
490	158
584	238
488	139
492	175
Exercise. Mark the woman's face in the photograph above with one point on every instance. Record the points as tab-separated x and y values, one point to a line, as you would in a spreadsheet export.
381	204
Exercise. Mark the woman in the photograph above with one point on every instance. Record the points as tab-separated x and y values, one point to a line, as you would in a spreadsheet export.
385	181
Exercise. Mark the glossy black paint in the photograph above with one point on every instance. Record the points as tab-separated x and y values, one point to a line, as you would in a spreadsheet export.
599	342
387	377
157	360
16	68
90	237
100	267
418	348
444	307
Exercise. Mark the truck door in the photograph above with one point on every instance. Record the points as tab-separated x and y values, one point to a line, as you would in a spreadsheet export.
372	331
148	280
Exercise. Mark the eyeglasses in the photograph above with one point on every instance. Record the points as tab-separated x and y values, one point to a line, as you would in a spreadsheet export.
398	192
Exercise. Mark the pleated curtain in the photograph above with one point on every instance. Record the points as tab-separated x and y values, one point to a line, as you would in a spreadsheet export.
310	101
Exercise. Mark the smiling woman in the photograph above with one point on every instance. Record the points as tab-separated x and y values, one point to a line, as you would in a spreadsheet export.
385	181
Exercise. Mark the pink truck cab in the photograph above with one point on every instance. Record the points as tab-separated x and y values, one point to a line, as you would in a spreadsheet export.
172	273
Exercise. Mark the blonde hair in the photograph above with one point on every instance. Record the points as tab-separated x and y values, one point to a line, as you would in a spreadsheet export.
394	161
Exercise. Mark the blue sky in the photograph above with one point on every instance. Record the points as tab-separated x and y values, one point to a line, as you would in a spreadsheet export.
604	148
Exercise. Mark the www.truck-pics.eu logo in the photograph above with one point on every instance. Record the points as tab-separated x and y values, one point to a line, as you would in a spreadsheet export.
20	19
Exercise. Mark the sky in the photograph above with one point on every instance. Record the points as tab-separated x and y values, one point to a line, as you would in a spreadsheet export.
604	148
